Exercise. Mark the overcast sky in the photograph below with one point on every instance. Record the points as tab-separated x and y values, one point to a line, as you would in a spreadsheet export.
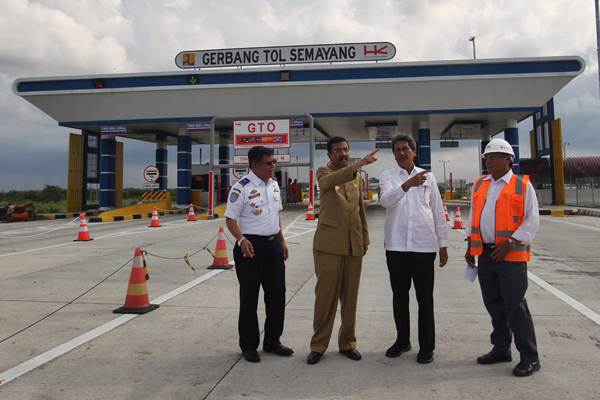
75	37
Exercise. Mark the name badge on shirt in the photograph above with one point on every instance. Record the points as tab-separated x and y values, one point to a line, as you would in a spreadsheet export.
253	194
257	210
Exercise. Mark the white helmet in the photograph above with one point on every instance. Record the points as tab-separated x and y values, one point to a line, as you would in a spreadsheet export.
498	146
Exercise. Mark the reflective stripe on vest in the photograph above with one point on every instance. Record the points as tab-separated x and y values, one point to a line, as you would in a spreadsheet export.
510	211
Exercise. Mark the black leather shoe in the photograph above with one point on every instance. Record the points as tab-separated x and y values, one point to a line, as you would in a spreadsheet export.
395	350
425	358
278	349
352	354
495	356
313	357
526	368
251	355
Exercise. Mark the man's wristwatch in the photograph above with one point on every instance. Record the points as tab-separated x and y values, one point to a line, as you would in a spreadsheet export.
239	242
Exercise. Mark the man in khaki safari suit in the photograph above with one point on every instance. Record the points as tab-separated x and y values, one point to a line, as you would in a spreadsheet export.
341	240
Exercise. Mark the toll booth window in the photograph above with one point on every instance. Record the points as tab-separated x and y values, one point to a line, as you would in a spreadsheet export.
92	166
92	141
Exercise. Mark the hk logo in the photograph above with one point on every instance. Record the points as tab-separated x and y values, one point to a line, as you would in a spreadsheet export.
375	51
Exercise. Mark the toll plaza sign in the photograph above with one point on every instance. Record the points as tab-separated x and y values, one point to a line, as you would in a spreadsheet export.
318	53
273	133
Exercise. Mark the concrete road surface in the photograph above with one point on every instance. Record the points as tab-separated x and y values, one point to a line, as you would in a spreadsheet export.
60	340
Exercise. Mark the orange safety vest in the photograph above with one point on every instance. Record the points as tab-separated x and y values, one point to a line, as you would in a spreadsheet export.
510	211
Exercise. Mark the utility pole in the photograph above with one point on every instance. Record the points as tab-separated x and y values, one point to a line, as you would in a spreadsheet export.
444	162
597	39
472	39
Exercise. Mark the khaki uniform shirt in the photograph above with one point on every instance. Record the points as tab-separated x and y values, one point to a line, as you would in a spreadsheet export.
342	227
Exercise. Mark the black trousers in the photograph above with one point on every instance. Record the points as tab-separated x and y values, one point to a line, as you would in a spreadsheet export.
405	267
503	287
266	268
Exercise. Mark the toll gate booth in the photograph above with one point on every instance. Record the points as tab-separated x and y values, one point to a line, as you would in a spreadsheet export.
369	101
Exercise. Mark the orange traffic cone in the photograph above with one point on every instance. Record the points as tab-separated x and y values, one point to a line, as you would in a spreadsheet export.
220	260
136	300
310	212
457	220
446	213
84	234
155	223
192	215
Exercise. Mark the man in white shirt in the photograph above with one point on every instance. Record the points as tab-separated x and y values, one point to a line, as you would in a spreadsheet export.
252	216
503	221
415	229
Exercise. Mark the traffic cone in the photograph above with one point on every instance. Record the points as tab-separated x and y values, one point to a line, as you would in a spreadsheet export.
310	212
457	220
84	234
136	300
446	213
192	215
155	223
220	260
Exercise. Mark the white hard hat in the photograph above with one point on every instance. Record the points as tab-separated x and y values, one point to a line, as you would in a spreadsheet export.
498	146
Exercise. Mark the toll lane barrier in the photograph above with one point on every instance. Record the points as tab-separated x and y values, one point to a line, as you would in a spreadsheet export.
70	215
139	212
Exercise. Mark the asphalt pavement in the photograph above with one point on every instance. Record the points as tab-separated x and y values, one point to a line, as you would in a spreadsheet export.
60	340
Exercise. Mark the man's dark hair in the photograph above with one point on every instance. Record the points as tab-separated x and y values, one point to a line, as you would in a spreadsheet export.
256	154
404	138
334	140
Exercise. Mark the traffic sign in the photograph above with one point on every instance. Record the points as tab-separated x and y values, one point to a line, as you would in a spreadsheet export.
151	174
273	133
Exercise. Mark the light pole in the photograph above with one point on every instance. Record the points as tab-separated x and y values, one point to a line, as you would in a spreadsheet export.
597	38
472	39
444	162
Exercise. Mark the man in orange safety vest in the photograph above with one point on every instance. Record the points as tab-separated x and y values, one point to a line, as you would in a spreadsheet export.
503	221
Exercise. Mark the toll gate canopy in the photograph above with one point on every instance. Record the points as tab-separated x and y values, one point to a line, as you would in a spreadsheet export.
441	100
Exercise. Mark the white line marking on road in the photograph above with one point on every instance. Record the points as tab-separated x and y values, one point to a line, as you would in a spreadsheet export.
59	350
111	235
594	228
587	312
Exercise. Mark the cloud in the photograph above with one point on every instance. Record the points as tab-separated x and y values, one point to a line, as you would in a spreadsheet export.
64	37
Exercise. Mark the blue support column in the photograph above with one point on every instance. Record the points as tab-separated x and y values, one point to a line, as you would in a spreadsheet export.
108	149
162	160
184	169
511	135
424	148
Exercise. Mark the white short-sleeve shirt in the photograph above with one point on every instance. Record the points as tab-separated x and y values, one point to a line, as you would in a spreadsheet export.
255	205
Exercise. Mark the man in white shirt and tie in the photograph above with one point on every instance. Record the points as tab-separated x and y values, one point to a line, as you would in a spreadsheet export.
415	230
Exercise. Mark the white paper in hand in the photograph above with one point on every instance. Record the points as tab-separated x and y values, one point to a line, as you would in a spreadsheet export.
470	273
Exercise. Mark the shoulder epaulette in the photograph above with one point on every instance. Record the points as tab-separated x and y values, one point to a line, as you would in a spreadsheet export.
244	181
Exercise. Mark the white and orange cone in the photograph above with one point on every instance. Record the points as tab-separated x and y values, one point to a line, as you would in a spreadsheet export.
220	260
446	213
154	223
136	299
457	220
84	234
310	212
192	215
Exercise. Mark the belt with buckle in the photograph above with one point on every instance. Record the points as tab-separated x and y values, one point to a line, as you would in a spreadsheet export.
261	237
489	246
